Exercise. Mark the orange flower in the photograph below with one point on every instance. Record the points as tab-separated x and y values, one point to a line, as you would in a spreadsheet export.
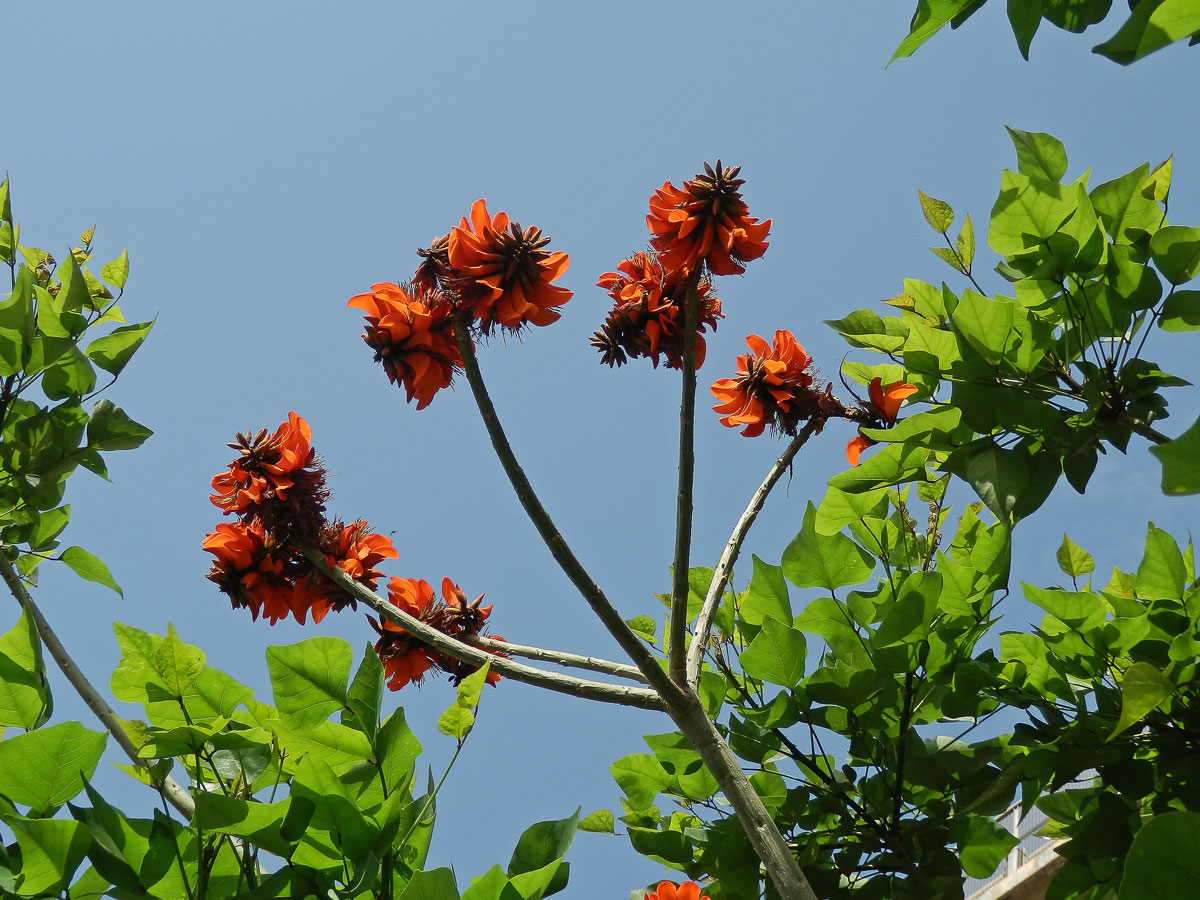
647	315
356	551
275	477
411	331
880	412
502	272
705	221
248	572
689	890
772	388
405	659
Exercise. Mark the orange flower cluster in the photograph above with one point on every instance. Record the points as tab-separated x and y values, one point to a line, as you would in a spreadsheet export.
496	273
773	388
881	412
411	329
405	659
486	273
276	489
276	478
666	890
706	222
647	315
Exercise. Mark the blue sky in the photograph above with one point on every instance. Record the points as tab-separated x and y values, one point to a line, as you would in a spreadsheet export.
264	162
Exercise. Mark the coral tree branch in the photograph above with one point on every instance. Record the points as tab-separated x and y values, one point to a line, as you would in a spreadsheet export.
558	657
677	640
168	786
733	547
620	694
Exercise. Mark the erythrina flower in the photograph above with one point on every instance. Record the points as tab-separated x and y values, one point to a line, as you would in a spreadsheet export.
502	272
276	478
647	315
412	333
248	571
666	890
706	222
881	412
405	659
356	551
773	388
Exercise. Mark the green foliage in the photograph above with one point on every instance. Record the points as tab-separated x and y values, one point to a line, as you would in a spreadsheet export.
25	700
1151	24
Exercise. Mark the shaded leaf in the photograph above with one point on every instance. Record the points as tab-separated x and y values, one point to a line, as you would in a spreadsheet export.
1143	688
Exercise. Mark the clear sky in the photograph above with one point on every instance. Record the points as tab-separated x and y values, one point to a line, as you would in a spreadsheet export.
264	161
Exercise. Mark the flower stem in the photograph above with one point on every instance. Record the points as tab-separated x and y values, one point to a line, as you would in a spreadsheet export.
562	553
558	657
170	789
677	640
733	547
622	695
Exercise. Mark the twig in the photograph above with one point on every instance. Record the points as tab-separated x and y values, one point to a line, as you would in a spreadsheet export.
167	786
620	694
733	547
558	657
562	553
677	628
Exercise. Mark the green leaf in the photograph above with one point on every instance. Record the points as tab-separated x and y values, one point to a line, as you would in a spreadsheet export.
73	294
459	718
965	243
71	375
1125	211
982	844
111	429
1028	211
640	776
643	626
1158	186
116	271
25	700
1175	250
907	621
997	475
776	655
309	679
1181	462
1143	688
1074	560
178	664
927	21
542	844
893	464
1161	575
89	567
949	257
1038	154
397	749
1153	25
365	695
1024	16
434	884
1164	861
51	850
824	560
1181	312
114	350
600	821
44	769
767	596
937	213
986	324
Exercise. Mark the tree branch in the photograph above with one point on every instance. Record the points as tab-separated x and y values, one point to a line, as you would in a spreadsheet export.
733	547
558	657
620	694
562	553
677	628
167	786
